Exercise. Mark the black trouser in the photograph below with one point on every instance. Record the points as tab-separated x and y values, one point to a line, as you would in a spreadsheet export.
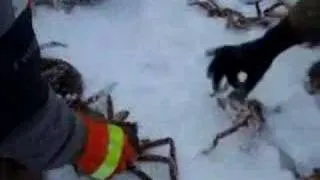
23	91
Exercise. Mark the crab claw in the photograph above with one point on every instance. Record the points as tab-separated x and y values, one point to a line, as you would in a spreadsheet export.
121	116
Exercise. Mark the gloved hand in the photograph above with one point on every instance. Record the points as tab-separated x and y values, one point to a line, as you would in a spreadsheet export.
253	57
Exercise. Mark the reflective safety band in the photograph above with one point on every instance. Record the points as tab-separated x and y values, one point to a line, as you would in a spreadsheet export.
114	151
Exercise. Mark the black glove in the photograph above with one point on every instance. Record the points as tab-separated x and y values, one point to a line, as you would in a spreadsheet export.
254	57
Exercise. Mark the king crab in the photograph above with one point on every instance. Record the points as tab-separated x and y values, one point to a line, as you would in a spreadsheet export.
131	129
236	19
244	113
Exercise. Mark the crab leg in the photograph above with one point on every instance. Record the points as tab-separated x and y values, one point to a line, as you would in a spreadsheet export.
258	9
286	3
120	116
212	8
94	97
172	161
52	44
223	134
270	11
151	144
235	19
139	173
110	109
203	4
157	158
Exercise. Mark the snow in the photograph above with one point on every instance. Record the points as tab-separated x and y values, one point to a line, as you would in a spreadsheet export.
154	51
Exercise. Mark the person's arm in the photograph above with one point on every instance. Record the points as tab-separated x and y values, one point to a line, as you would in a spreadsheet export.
23	91
6	15
36	128
304	17
255	57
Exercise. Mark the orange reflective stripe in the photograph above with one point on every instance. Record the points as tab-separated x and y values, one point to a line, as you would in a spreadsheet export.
103	149
129	155
95	148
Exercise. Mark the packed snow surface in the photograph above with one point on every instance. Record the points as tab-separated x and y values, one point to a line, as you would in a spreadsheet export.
154	51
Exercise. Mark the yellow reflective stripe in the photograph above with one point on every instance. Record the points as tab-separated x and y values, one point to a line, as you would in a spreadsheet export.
111	161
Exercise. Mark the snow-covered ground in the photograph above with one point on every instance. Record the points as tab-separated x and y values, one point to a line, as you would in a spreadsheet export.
154	50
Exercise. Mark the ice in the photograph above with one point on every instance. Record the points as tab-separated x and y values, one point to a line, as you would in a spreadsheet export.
154	51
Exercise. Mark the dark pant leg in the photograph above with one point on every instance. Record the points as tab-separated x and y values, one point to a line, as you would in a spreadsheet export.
22	91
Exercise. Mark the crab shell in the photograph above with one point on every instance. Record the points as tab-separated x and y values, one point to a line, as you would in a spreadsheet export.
63	78
249	110
67	82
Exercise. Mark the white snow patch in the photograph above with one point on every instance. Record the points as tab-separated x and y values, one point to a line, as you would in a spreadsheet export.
154	50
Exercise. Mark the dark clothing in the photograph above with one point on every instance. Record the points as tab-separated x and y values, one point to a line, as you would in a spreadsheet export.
23	92
304	17
36	128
